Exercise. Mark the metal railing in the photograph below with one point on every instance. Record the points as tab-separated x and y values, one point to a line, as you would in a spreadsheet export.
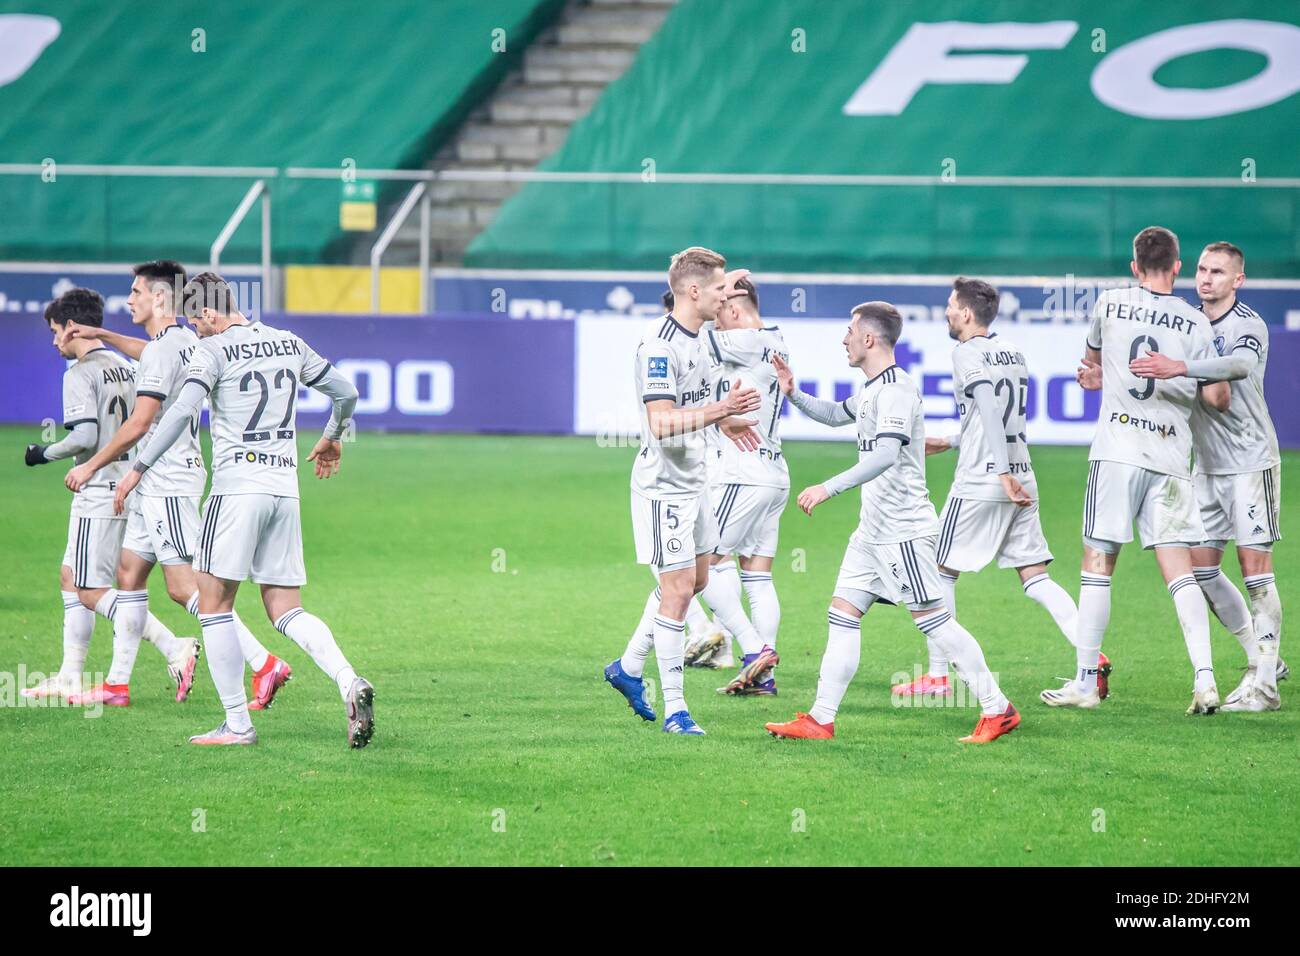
265	177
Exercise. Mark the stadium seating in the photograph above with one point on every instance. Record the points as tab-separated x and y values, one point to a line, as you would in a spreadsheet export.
777	100
240	83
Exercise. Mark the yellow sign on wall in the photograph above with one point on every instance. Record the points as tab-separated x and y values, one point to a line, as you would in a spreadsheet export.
346	290
357	209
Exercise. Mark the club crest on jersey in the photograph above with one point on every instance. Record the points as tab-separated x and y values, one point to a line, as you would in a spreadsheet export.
1218	344
673	545
658	367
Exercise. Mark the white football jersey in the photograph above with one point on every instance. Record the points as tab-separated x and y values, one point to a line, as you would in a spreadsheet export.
746	354
1242	439
99	388
992	359
1146	421
896	504
179	473
671	364
252	373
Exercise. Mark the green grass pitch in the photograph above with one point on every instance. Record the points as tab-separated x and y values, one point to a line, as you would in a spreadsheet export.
481	583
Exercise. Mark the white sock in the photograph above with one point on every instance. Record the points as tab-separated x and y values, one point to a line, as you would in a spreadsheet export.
1094	616
670	648
1229	607
643	638
226	665
1058	602
311	634
723	595
967	657
764	606
78	624
1194	619
938	659
839	664
255	654
696	620
132	607
1266	613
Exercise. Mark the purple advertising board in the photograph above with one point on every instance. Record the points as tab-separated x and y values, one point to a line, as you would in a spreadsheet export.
430	374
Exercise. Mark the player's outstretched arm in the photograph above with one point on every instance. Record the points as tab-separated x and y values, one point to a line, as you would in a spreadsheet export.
1237	364
328	453
172	426
937	446
818	409
666	421
878	461
128	345
81	438
132	430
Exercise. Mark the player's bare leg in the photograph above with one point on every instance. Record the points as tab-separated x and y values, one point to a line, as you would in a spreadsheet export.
1098	566
1194	619
284	608
225	662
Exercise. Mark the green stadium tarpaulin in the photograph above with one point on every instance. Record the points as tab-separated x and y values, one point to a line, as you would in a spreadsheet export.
759	86
234	83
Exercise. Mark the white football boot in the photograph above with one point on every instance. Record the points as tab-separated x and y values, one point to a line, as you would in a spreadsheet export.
1254	701
56	686
701	650
1204	701
1071	694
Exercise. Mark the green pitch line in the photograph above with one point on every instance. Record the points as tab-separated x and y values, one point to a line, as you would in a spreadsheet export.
481	584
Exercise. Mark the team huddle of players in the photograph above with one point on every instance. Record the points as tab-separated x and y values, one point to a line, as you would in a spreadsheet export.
136	429
710	481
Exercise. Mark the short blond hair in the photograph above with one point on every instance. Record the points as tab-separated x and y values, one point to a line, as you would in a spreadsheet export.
1229	249
693	263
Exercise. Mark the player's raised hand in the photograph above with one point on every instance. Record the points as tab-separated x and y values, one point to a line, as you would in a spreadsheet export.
740	399
936	446
1015	490
1088	375
326	455
124	487
1155	365
78	477
811	497
741	431
784	377
732	277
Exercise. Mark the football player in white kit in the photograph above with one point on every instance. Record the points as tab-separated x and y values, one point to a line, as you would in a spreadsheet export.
1140	462
992	508
672	520
163	519
1237	474
250	374
749	492
98	391
891	556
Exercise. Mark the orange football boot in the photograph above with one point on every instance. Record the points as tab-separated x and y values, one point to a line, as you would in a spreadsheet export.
923	686
803	727
274	674
991	728
1103	676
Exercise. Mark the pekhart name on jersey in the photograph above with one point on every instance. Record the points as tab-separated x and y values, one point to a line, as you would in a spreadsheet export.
1136	313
